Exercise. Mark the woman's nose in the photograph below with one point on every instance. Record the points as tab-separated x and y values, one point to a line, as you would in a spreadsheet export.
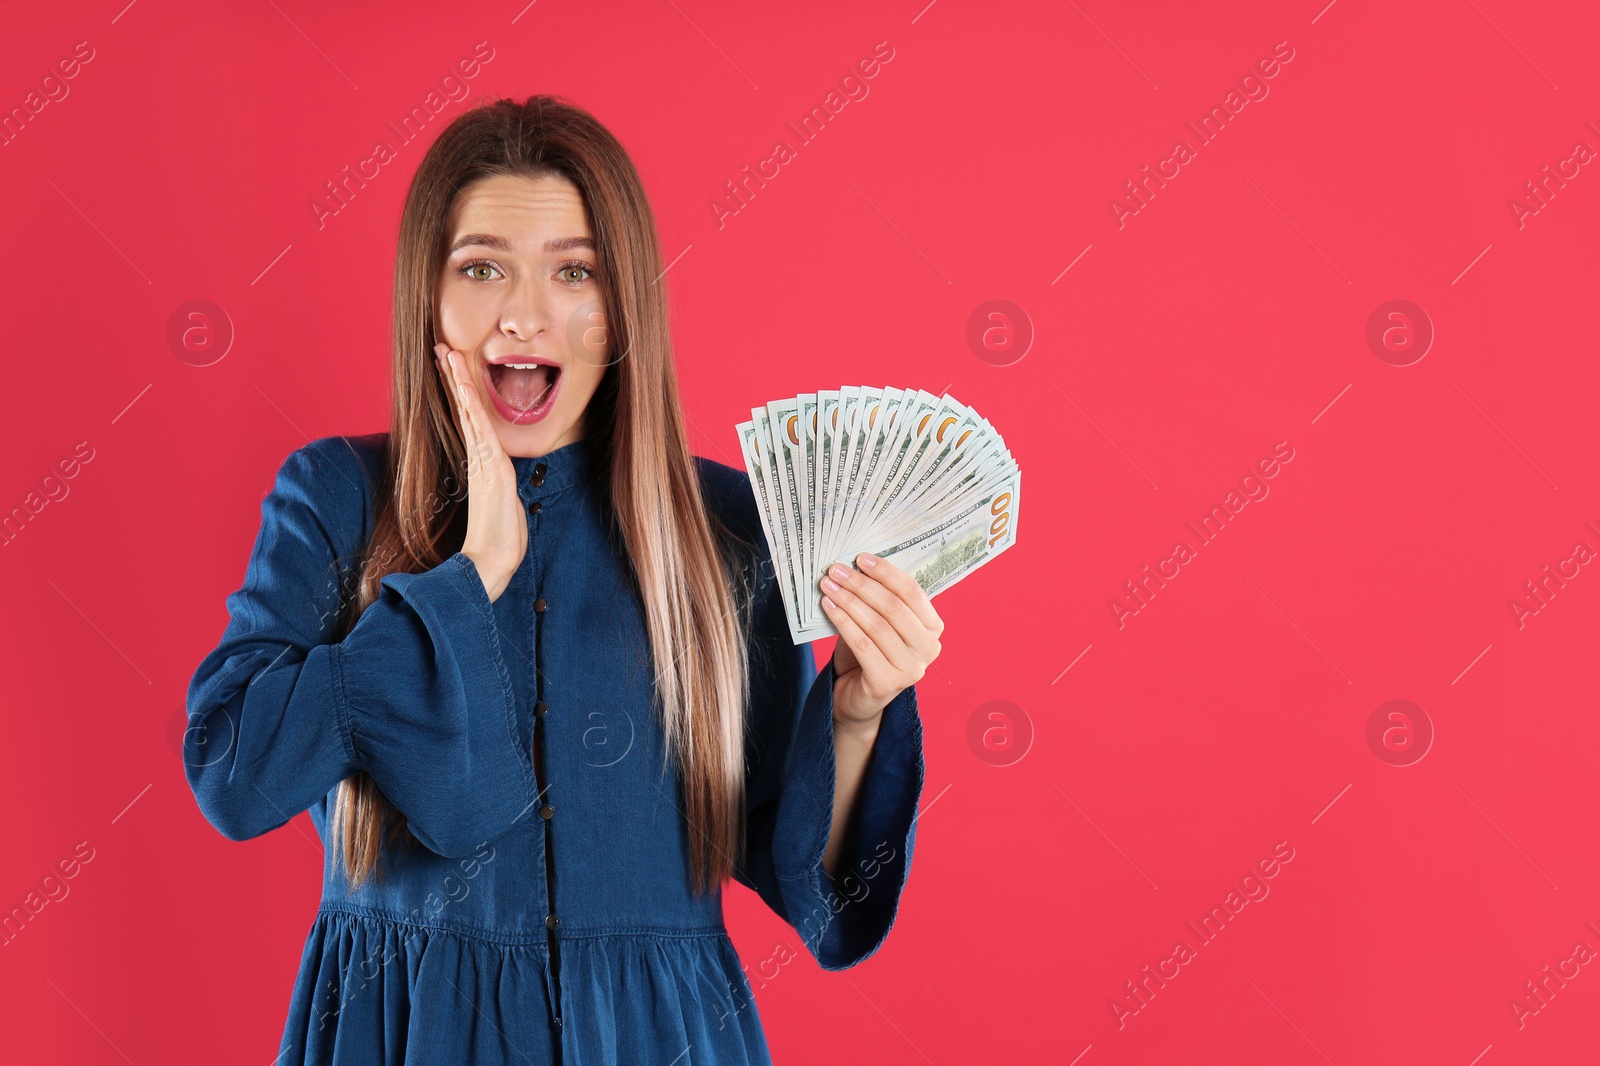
526	312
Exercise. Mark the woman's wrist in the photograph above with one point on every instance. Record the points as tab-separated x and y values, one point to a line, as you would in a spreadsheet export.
494	580
856	731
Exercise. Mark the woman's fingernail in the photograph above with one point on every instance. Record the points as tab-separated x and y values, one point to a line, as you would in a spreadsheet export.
829	584
867	560
829	603
838	572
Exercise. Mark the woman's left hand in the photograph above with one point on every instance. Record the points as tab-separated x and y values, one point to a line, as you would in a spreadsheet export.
888	636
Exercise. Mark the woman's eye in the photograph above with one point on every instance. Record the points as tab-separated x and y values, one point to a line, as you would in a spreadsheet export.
483	270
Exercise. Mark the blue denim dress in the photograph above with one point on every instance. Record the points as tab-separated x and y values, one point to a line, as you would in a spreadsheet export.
538	909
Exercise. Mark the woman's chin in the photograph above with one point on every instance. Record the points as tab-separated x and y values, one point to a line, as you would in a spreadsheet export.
531	441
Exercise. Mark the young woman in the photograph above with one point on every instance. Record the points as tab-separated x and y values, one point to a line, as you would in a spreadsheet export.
524	659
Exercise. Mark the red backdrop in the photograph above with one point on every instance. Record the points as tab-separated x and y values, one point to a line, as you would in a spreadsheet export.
1435	889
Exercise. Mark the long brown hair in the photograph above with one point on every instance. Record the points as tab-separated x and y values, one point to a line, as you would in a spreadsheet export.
695	612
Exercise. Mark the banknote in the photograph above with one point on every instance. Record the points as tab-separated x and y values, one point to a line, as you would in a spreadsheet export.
917	478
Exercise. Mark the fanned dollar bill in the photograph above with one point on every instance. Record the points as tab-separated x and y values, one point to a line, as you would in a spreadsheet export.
921	480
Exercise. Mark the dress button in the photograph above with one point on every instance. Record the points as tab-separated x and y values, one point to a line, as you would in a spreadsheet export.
539	605
540	709
535	507
551	921
547	812
538	475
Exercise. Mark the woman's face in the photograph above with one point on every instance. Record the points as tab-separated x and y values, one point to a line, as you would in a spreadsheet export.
520	298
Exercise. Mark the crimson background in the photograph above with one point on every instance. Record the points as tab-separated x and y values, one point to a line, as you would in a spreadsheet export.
1168	755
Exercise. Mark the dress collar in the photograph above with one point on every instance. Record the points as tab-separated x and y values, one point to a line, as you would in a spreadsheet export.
567	465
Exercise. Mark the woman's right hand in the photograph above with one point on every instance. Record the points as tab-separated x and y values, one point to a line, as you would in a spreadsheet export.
497	526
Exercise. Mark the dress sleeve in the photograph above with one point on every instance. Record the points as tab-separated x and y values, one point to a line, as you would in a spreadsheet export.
789	804
417	693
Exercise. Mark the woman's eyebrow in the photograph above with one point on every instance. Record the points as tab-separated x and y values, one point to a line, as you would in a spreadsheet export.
499	243
567	244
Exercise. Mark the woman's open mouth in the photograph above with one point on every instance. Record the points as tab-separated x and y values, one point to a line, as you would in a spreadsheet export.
523	390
